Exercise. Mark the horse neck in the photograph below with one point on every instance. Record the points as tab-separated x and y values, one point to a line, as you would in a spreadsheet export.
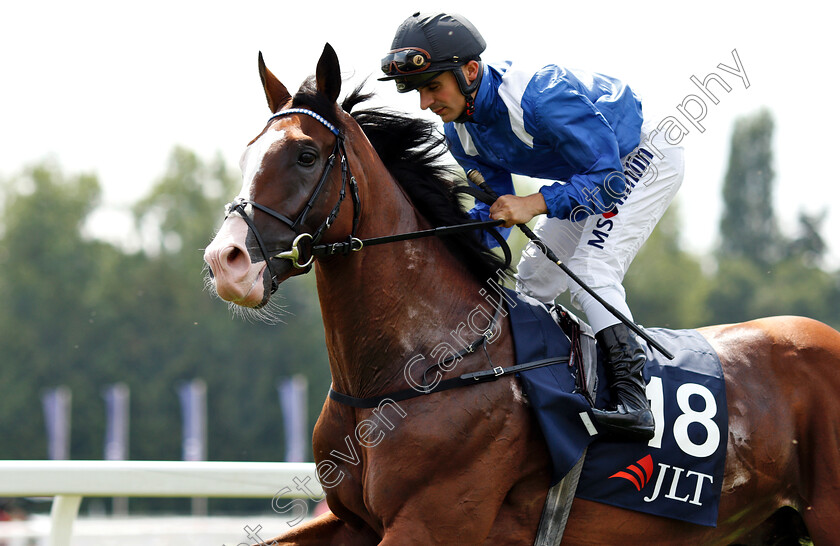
387	304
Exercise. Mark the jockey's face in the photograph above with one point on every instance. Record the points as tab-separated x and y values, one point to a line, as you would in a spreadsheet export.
443	97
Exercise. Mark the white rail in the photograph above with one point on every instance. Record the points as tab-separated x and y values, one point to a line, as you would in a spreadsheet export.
69	481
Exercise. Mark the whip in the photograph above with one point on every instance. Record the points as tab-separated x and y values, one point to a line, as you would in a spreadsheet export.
477	178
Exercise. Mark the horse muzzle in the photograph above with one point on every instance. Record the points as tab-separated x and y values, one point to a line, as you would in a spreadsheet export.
235	276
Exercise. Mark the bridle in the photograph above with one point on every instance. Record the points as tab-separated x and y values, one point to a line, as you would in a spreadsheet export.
302	238
354	244
305	247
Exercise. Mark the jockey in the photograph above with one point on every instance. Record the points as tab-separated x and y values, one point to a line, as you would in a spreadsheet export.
608	176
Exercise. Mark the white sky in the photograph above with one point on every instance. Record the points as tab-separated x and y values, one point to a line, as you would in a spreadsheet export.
112	87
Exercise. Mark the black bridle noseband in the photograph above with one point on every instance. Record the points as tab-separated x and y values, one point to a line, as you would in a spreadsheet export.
295	253
305	247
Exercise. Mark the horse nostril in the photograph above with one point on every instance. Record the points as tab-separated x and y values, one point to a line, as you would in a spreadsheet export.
233	255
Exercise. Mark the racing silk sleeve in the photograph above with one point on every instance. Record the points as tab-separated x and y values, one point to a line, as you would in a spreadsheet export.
498	179
568	129
563	112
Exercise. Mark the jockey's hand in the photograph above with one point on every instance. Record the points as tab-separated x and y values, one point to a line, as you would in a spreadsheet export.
517	210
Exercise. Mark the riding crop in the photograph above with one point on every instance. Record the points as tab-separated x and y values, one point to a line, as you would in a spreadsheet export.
477	178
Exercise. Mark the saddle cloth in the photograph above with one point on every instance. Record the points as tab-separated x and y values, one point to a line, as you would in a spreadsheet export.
679	473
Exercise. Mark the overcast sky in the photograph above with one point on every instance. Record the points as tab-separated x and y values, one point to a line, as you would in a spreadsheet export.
111	87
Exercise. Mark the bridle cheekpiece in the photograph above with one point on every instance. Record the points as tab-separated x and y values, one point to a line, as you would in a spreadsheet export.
304	239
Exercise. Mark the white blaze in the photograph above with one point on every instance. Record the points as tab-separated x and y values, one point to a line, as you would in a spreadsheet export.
252	159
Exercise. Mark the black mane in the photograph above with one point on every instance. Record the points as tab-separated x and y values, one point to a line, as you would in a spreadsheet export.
411	150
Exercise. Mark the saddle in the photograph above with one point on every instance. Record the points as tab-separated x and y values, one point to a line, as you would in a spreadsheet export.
677	475
584	352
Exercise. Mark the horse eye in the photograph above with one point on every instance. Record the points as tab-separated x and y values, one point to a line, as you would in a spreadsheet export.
307	159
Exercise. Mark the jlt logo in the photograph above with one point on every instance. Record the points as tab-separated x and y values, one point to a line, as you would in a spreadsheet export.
639	473
673	494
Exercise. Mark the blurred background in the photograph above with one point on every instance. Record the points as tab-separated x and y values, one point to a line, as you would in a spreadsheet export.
120	132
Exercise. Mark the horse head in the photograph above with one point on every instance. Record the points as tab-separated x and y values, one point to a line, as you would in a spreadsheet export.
295	177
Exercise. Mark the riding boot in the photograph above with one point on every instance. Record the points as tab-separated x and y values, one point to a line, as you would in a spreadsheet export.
632	417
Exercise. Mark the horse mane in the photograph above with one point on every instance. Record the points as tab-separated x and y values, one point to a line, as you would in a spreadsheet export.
411	150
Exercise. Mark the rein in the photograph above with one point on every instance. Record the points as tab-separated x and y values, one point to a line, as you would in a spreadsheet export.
355	245
300	256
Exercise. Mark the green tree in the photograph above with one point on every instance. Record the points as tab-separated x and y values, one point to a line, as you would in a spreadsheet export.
760	271
808	245
742	290
181	210
49	277
734	287
665	285
85	314
748	225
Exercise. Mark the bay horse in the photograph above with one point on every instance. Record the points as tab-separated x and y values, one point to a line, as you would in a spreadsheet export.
469	465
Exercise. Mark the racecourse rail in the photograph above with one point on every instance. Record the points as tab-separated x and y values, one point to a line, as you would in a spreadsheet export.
69	481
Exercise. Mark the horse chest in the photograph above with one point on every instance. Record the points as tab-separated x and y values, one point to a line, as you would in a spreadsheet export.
346	440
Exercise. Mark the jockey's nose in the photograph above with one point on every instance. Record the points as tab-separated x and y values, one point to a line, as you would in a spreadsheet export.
426	98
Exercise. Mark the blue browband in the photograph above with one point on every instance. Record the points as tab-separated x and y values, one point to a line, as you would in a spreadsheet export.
309	113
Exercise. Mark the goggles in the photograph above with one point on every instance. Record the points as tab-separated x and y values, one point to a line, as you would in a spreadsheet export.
406	60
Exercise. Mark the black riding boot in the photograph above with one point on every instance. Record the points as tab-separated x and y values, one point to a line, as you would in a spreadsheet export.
632	418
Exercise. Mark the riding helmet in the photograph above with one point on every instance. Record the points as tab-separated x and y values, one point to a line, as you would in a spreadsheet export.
427	44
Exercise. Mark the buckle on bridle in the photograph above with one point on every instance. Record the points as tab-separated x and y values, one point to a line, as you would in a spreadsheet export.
294	253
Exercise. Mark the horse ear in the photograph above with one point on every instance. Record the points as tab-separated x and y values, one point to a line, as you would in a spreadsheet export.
328	74
275	92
